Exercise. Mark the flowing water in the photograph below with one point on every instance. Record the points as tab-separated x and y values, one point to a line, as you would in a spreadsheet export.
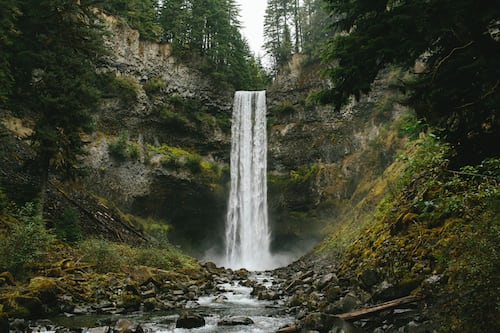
267	316
247	231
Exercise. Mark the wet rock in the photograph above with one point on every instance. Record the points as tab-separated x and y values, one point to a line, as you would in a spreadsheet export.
189	320
19	325
333	293
102	329
150	304
326	280
318	321
268	295
235	321
220	299
4	322
130	302
288	329
6	279
25	306
45	289
127	326
350	302
387	291
368	278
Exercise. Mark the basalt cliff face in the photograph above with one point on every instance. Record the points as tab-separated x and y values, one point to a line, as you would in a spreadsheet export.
163	116
323	162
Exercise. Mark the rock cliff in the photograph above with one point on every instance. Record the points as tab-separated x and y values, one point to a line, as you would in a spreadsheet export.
322	162
159	116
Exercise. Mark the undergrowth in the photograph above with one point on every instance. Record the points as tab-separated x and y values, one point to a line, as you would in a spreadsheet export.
443	223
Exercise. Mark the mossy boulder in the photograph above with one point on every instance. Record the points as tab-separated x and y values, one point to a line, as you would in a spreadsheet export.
45	288
21	305
4	320
6	279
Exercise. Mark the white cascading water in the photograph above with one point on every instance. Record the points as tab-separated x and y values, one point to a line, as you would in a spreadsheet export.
247	232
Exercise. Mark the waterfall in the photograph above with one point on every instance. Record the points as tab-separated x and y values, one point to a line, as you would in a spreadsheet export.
247	231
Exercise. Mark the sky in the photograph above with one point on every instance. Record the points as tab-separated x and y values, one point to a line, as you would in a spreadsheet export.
252	21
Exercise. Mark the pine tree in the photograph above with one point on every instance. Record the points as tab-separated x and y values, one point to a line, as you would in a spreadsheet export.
140	14
9	12
55	74
458	92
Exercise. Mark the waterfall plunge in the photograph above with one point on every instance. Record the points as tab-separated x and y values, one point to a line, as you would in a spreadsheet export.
247	231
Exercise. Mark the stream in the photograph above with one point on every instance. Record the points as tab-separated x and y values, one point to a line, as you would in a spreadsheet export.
233	301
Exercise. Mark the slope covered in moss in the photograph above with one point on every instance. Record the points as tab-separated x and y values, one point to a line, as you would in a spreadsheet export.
435	234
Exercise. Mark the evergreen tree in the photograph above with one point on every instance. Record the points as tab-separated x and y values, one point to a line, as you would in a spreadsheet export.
316	28
9	12
140	14
55	74
283	30
207	32
458	91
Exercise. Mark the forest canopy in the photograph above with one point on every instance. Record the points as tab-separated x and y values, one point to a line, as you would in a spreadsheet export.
457	91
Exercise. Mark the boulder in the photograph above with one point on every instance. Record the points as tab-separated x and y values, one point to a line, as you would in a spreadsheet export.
6	279
235	321
189	320
102	329
45	288
4	322
127	326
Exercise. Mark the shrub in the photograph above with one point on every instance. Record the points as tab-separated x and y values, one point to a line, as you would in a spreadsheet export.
193	163
154	85
67	227
27	243
105	255
283	108
124	87
122	150
119	148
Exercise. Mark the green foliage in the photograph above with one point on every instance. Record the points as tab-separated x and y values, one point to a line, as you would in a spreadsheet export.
122	150
107	256
140	14
207	32
174	119
53	64
118	149
3	199
408	125
154	85
67	227
305	173
125	88
193	163
283	108
9	13
456	90
444	222
27	243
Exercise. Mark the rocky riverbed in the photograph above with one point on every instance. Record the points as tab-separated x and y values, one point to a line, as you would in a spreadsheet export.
306	296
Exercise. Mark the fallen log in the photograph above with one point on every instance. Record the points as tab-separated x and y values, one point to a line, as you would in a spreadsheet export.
361	313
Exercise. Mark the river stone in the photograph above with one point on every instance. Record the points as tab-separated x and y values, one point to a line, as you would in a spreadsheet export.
235	321
350	302
4	322
103	329
189	320
127	326
368	278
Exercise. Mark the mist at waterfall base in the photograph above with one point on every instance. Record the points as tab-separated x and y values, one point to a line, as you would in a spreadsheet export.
247	233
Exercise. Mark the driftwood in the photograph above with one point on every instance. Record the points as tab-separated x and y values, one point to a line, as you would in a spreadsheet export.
360	313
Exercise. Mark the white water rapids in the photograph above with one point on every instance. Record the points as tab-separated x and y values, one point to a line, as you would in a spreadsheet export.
247	231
